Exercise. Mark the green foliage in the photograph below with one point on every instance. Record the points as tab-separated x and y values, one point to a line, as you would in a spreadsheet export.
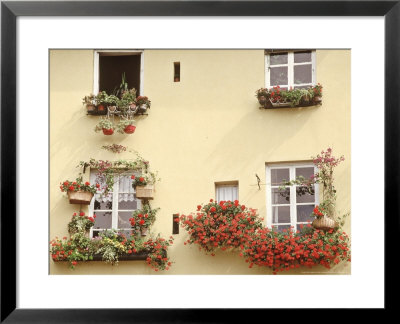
104	123
77	185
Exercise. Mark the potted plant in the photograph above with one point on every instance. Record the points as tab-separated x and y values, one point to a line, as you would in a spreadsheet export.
143	218
78	192
112	102
317	90
128	99
126	126
143	103
101	101
90	101
143	186
263	96
322	222
105	125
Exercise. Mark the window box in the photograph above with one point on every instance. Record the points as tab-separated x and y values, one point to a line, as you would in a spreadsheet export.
145	192
139	256
80	197
98	110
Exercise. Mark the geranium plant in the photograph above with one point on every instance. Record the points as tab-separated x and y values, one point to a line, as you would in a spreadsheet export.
78	185
144	217
126	126
157	258
220	225
105	125
143	100
140	180
80	223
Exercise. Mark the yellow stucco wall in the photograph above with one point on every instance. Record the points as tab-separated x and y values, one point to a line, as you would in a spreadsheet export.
205	129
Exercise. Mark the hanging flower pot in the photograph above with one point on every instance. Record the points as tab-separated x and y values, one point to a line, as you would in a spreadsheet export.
145	192
317	99
324	223
129	129
78	192
143	231
105	125
126	126
108	131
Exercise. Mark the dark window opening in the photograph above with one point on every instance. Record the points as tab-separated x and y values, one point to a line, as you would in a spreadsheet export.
177	71
175	224
112	67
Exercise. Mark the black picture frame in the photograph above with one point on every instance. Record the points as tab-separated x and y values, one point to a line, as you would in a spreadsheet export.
10	10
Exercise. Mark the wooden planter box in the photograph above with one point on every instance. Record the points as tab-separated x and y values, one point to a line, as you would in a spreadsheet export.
80	197
145	192
324	223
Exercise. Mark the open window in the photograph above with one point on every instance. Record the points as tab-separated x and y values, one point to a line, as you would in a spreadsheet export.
110	65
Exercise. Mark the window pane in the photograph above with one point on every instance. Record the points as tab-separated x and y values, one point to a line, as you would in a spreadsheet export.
300	57
281	228
279	75
281	214
125	183
127	233
305	172
304	212
127	201
278	58
103	202
102	220
226	193
278	176
280	196
302	74
303	195
123	219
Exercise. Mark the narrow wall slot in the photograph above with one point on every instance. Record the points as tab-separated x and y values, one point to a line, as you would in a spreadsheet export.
177	71
175	224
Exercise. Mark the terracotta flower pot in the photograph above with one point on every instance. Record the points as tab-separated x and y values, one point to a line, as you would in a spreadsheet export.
324	223
130	129
90	108
143	231
108	131
101	107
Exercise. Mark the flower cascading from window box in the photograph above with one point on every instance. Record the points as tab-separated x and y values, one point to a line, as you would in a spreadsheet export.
221	225
230	225
79	192
143	218
279	97
157	258
110	245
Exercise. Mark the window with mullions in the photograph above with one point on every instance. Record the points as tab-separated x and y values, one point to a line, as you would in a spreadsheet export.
114	209
287	69
291	205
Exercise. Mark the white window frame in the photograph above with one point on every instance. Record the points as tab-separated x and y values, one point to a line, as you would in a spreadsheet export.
114	210
96	68
224	185
290	66
292	203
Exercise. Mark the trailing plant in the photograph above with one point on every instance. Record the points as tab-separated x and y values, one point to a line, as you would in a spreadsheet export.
114	148
325	163
220	225
68	250
144	217
157	247
78	185
105	170
104	123
223	226
110	245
